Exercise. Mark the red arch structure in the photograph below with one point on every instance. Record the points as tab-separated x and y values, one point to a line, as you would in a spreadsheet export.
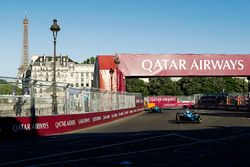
171	65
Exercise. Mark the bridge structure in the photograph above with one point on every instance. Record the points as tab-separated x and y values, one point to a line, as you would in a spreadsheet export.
111	71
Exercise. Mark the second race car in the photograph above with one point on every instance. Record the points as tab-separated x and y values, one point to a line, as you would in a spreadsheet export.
188	116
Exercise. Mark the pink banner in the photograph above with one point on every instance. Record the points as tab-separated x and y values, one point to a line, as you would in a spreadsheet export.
184	64
169	102
164	101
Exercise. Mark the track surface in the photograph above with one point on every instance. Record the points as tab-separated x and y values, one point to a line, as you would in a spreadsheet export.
148	139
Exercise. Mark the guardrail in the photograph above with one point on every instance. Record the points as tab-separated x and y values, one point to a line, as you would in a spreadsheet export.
34	97
223	107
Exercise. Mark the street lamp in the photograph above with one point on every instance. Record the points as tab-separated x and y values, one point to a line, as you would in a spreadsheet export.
111	72
54	28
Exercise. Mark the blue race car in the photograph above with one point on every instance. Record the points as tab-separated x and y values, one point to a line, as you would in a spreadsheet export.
188	116
155	109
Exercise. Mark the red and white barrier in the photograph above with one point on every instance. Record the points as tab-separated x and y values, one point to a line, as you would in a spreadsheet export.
55	124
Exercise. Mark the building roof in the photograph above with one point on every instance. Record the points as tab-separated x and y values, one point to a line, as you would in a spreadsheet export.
106	62
49	58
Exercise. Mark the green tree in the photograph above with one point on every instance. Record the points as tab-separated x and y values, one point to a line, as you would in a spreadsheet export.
18	91
8	88
136	85
229	84
239	85
3	81
187	86
155	86
211	85
5	89
90	60
164	86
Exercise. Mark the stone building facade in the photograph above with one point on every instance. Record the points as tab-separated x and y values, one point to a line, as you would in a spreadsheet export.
67	71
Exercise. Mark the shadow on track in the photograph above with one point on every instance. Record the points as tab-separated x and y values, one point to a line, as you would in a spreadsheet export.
243	114
218	146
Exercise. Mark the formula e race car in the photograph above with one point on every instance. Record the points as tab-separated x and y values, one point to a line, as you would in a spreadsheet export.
155	109
188	116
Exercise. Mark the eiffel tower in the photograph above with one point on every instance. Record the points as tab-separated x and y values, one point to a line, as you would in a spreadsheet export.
25	52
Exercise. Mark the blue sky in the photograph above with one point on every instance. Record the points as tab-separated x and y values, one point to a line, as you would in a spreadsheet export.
97	27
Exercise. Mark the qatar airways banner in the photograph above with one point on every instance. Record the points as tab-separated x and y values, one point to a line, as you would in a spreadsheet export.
184	64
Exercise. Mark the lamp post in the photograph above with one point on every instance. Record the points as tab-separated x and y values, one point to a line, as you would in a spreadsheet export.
54	28
111	72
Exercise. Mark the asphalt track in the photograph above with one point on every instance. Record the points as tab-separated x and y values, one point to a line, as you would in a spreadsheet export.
147	139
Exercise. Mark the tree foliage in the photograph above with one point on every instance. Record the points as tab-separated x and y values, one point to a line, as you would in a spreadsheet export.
188	86
163	86
136	85
8	88
90	60
5	89
3	81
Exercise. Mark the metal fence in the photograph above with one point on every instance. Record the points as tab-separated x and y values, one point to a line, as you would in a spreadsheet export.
29	97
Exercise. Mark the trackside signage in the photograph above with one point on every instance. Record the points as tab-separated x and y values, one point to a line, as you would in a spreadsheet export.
184	64
48	125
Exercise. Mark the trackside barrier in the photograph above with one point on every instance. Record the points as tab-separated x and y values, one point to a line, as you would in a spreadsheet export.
169	101
48	125
28	108
223	102
70	100
224	107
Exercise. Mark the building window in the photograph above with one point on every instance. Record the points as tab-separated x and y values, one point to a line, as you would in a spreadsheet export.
91	76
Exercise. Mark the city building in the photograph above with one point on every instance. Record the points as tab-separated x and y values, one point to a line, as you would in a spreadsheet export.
67	71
